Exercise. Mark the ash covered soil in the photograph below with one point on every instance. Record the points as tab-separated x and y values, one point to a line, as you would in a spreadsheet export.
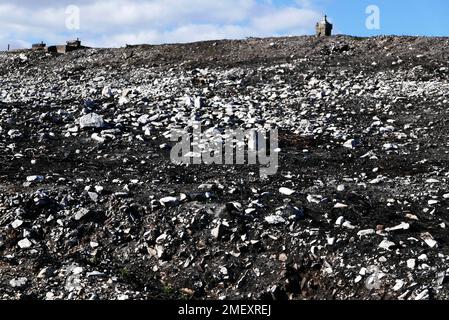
91	207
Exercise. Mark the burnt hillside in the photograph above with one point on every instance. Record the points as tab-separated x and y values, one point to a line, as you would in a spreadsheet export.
92	207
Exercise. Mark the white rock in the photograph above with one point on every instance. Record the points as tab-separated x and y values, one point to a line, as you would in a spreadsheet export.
18	283
428	239
94	244
283	257
168	201
73	129
370	155
385	244
81	214
423	258
314	199
45	272
78	270
14	133
431	243
390	146
91	120
348	225
273	219
351	144
16	224
123	100
215	232
25	243
199	102
161	239
143	119
23	57
96	137
411	217
95	274
423	295
93	196
367	232
340	206
411	263
286	191
339	221
106	92
402	226
223	271
398	285
35	178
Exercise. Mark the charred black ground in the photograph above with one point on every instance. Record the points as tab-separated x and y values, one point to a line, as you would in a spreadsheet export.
102	213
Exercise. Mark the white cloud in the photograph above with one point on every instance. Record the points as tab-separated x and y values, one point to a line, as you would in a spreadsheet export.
289	19
120	22
185	33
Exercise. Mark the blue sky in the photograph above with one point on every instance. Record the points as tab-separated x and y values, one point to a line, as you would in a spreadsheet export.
114	23
399	17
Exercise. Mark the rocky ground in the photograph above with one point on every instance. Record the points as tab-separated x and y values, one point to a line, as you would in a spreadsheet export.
91	207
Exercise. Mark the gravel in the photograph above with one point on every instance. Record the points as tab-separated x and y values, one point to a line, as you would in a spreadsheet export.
92	207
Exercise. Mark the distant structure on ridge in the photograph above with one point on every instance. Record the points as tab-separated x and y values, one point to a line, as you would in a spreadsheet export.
324	28
69	46
39	46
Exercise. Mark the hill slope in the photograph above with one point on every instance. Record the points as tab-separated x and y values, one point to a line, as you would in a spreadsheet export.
104	213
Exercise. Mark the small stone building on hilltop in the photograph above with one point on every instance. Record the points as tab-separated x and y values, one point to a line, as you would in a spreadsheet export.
69	46
39	46
324	28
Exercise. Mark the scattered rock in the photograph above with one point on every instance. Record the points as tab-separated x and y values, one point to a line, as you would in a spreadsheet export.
273	219
25	243
360	182
286	191
18	283
411	263
169	201
36	179
386	245
283	257
91	120
81	213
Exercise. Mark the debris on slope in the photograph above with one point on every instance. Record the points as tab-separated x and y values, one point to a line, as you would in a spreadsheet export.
91	207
